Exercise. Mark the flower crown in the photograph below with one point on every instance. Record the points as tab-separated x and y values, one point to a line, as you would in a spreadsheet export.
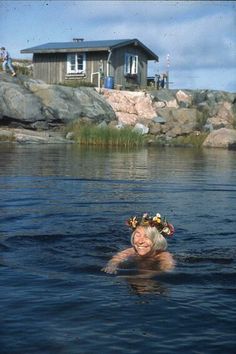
161	224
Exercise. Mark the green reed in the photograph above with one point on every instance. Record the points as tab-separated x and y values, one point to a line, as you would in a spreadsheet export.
86	134
77	83
189	140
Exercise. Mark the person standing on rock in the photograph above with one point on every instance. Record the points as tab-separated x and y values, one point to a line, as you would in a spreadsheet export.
163	77
7	61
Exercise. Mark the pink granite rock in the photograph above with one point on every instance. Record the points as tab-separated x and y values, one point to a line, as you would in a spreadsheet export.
220	138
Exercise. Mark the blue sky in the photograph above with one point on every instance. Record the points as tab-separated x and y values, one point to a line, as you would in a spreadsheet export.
199	36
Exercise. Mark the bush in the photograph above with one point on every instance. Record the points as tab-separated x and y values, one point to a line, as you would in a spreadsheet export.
191	140
202	119
23	70
23	66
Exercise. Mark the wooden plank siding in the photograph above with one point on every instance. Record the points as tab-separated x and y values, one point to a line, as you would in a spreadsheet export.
118	62
94	61
52	67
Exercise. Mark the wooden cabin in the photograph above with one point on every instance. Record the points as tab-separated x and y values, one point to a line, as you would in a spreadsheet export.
109	63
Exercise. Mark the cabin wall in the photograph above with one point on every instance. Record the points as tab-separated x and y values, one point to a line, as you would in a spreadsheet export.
49	67
96	62
118	63
52	67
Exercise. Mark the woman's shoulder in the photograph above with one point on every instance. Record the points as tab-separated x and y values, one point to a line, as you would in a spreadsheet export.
163	255
166	260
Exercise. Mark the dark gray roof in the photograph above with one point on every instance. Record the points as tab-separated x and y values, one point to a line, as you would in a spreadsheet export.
102	45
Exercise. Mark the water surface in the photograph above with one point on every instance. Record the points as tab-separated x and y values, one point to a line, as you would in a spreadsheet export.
62	214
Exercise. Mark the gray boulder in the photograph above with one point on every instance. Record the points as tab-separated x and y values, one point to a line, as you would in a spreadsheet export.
160	120
27	136
140	128
17	104
25	102
180	121
162	95
155	128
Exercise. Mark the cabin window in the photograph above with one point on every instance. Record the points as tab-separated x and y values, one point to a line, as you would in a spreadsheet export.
131	64
76	63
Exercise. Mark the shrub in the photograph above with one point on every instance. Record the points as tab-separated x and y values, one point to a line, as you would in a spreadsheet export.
192	140
23	66
202	119
23	70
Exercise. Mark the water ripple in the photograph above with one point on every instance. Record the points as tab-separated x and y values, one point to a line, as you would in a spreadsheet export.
62	217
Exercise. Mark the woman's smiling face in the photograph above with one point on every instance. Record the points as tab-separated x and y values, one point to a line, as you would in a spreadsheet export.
141	242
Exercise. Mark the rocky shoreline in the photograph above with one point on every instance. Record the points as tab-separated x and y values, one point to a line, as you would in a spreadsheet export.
34	112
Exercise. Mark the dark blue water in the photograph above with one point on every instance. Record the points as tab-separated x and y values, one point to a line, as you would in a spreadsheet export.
62	214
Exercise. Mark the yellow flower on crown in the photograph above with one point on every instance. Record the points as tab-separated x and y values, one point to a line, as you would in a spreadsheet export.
162	225
145	220
157	218
166	230
133	222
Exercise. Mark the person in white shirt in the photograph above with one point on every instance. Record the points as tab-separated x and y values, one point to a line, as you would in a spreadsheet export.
7	61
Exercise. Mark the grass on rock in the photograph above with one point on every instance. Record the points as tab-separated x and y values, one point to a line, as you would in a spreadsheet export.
86	134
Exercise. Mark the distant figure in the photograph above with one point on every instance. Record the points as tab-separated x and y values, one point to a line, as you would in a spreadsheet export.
7	61
163	77
148	244
157	81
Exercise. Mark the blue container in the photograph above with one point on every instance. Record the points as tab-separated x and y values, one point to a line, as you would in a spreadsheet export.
109	82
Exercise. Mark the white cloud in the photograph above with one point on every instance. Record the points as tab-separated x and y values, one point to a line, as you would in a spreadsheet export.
192	38
198	35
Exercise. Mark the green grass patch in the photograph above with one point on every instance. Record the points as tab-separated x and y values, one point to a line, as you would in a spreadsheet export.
192	140
86	134
7	138
202	118
22	70
77	83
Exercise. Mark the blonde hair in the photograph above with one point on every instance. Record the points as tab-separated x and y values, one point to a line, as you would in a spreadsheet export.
158	240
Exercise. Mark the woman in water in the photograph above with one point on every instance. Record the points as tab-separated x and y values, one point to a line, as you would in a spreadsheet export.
148	243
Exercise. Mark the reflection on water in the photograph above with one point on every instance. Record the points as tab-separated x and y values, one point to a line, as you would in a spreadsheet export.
152	163
144	286
62	217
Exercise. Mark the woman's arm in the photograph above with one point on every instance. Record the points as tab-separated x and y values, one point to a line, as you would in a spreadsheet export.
166	260
120	257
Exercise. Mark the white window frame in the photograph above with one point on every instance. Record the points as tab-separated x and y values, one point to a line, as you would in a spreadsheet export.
131	64
73	64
